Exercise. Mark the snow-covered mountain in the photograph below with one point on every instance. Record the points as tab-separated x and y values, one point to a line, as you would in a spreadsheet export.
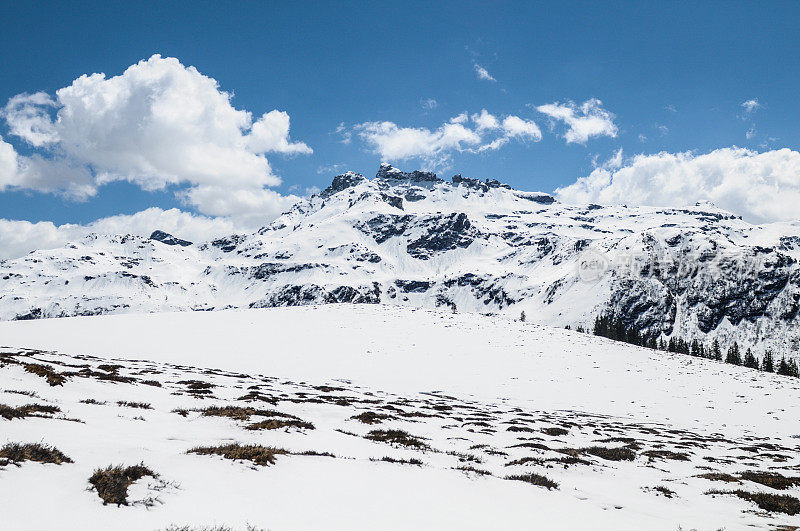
413	239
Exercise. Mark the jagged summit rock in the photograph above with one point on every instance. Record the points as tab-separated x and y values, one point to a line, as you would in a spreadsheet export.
389	172
342	182
168	239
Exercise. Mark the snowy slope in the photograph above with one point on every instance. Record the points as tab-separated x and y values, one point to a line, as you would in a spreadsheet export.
482	393
412	239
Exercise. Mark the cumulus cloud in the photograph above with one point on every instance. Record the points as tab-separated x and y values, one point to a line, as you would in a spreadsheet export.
393	142
158	124
9	165
483	73
485	120
43	174
761	187
17	238
463	133
270	134
583	121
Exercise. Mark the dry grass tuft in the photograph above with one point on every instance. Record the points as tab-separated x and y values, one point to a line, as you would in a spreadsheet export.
666	454
535	479
112	482
135	405
260	455
620	453
279	424
775	503
662	490
472	470
771	479
241	413
314	453
52	376
719	476
398	437
41	453
387	459
93	401
28	410
554	431
370	417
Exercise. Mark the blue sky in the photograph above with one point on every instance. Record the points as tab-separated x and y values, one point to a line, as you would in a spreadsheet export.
672	77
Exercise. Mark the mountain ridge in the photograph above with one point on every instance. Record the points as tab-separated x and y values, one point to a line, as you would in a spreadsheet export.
413	239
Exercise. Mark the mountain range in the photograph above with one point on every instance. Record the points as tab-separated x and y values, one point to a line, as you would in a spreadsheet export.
413	239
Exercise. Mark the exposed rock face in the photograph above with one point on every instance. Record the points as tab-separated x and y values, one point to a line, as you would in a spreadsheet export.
342	182
411	238
168	239
390	173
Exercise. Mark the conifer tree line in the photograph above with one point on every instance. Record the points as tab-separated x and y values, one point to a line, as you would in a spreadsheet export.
614	328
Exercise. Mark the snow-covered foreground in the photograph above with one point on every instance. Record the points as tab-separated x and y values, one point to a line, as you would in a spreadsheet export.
608	422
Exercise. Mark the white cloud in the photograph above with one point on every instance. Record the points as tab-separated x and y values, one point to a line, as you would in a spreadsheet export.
483	73
583	121
271	134
428	103
9	165
245	203
345	133
43	174
516	127
460	119
761	187
393	142
17	238
28	117
751	133
485	120
750	106
642	138
397	143
661	128
158	124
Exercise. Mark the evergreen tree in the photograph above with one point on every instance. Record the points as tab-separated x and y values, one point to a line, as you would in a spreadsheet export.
716	352
783	367
767	364
750	361
695	349
661	344
792	369
734	357
522	317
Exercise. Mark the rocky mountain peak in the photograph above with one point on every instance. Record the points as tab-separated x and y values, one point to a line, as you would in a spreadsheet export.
168	239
